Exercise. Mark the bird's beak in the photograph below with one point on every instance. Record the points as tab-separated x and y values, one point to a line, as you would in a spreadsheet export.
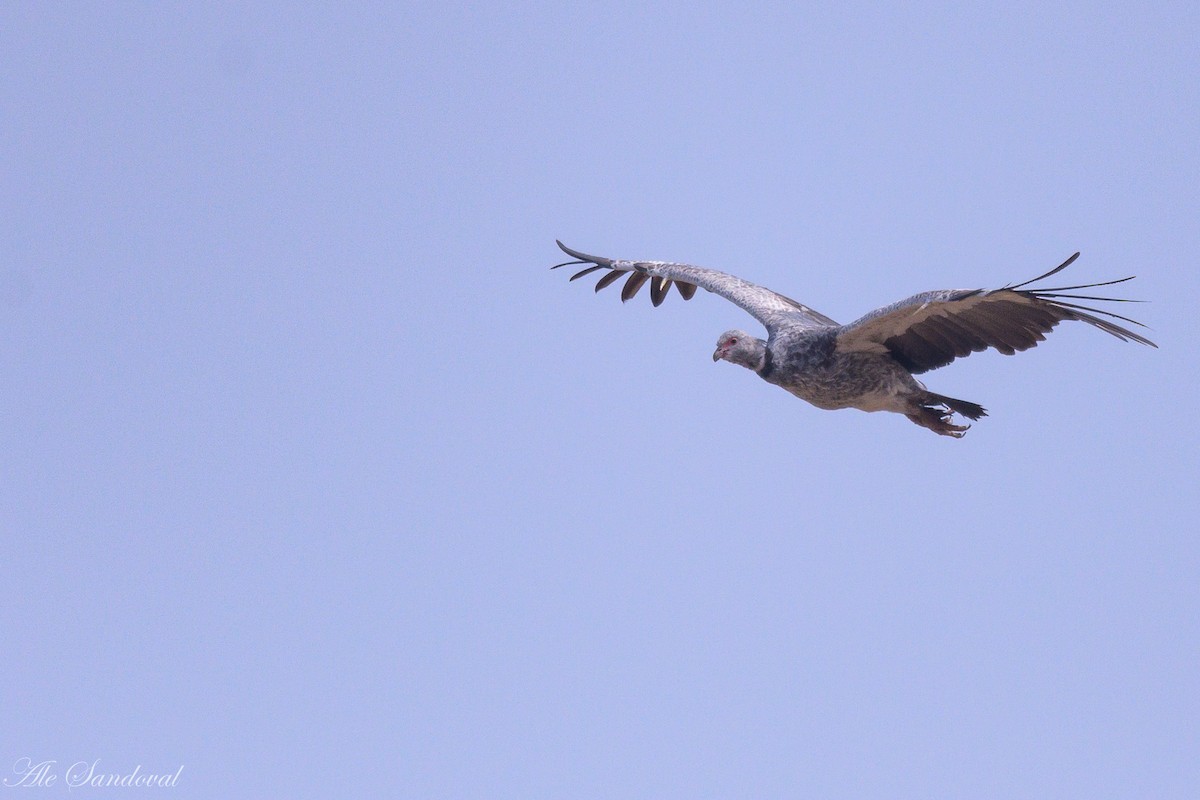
717	355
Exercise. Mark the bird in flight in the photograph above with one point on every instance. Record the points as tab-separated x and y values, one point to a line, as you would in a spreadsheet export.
870	363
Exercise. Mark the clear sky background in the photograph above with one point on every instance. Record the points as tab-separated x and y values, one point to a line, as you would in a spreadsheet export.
317	482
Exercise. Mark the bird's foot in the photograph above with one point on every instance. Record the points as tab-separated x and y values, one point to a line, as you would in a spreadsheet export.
939	421
957	431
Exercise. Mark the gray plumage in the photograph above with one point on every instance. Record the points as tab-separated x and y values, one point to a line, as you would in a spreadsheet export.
870	363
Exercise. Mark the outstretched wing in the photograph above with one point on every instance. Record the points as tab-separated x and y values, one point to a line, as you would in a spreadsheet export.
770	308
930	330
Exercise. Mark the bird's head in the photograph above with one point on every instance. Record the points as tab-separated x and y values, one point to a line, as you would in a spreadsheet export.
740	347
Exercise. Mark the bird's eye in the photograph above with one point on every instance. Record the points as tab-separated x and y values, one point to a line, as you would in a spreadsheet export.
733	341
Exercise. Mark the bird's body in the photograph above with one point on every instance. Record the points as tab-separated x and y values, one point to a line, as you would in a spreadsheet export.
870	364
809	366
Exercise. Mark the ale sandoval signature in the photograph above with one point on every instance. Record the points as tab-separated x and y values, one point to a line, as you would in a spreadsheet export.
27	772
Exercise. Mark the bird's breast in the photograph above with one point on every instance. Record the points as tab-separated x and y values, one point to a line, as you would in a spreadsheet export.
831	380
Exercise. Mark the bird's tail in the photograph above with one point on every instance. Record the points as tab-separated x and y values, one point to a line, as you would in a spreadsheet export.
965	407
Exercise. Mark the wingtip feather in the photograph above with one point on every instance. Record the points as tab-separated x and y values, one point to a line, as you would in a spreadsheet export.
605	262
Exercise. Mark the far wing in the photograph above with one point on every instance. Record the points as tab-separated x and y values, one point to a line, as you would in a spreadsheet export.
930	330
770	308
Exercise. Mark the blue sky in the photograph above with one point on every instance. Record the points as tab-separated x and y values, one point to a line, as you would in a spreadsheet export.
316	481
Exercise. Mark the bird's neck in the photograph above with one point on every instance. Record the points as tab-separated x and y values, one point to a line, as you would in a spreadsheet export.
766	364
757	359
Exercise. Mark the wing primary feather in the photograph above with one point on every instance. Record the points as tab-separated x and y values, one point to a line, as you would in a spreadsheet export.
610	278
569	263
658	290
1100	311
1083	285
1057	269
633	285
1114	329
587	271
584	257
687	290
1040	295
